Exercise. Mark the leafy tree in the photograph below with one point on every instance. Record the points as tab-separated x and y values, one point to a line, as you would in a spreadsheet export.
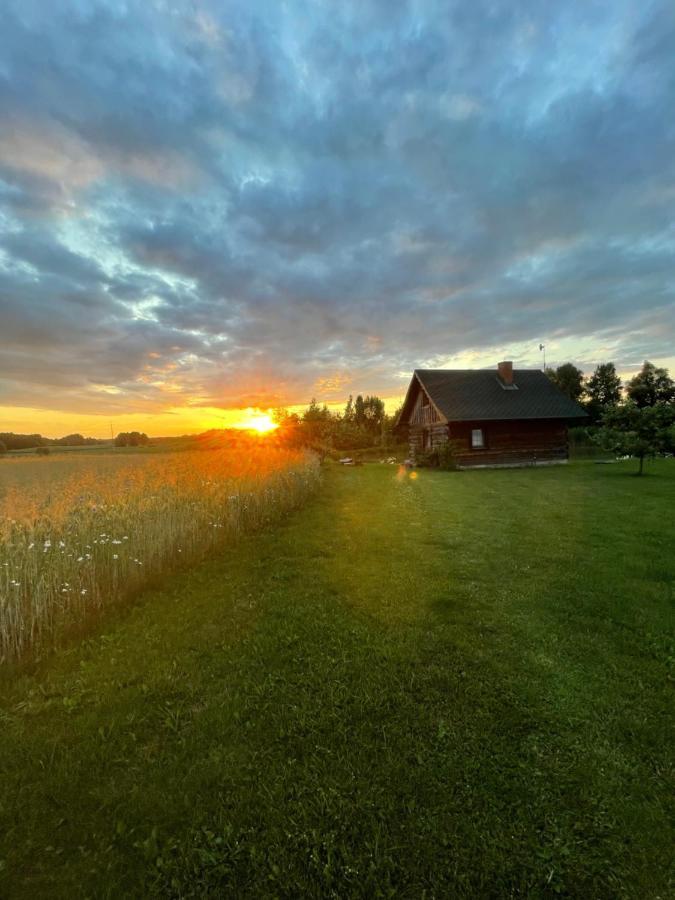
316	421
72	440
364	423
346	435
369	413
21	441
637	431
131	439
359	412
650	386
603	389
569	379
3	448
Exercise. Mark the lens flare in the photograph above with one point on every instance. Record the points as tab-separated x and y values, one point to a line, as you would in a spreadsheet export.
256	420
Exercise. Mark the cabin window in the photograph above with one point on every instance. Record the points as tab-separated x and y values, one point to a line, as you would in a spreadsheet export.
477	438
426	440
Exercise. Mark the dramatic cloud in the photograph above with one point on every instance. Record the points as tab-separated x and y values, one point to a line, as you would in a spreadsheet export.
223	205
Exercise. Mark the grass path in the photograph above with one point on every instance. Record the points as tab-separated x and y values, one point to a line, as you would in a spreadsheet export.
449	686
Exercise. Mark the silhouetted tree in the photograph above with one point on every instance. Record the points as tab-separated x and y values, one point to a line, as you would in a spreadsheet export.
603	389
21	441
650	386
569	379
131	439
369	413
72	440
316	421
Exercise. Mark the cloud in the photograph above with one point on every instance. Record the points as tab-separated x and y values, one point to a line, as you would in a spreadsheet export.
254	205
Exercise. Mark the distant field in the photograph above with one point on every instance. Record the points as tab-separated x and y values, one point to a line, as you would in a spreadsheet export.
80	531
448	685
42	476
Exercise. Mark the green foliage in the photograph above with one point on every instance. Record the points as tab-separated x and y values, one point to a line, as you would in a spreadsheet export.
603	389
42	451
568	379
3	448
651	386
364	423
443	456
639	432
429	687
369	414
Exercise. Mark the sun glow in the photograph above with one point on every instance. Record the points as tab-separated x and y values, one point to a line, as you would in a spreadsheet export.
256	420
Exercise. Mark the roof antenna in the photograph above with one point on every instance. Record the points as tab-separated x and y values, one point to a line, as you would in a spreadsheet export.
542	349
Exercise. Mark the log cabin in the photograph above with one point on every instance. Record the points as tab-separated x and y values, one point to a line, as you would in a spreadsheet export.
490	418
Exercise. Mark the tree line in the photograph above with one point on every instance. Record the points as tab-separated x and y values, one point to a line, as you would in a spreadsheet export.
637	419
11	441
363	423
652	385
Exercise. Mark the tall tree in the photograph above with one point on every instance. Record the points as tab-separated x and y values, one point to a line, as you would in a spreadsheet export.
569	379
373	413
316	421
359	412
603	389
651	385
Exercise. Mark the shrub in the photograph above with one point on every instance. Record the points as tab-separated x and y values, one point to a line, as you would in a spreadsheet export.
441	457
447	459
42	451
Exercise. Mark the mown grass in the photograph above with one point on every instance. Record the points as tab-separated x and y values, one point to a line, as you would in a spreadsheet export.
453	685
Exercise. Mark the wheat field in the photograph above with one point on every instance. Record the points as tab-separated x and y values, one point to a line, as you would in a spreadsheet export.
80	532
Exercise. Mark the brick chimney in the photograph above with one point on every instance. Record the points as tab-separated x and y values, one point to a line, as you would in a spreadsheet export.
505	372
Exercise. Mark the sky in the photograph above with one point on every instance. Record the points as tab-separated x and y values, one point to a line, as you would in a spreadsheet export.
208	206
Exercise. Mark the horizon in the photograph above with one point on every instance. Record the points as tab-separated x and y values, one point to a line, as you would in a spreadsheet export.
221	419
204	211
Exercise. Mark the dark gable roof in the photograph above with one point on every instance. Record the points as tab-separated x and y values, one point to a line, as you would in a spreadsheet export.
478	394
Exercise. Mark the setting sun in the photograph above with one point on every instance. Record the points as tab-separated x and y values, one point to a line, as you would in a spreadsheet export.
256	420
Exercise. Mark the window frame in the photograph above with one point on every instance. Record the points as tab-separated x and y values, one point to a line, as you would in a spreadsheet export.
483	444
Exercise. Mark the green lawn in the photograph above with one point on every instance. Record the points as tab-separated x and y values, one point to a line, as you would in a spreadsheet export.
454	686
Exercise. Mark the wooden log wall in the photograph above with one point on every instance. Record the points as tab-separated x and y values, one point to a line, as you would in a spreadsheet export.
512	442
438	434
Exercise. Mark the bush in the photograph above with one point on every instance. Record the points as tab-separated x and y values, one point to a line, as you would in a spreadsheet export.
3	448
42	451
441	457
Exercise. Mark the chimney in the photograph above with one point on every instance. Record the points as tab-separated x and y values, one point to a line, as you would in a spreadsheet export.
505	371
